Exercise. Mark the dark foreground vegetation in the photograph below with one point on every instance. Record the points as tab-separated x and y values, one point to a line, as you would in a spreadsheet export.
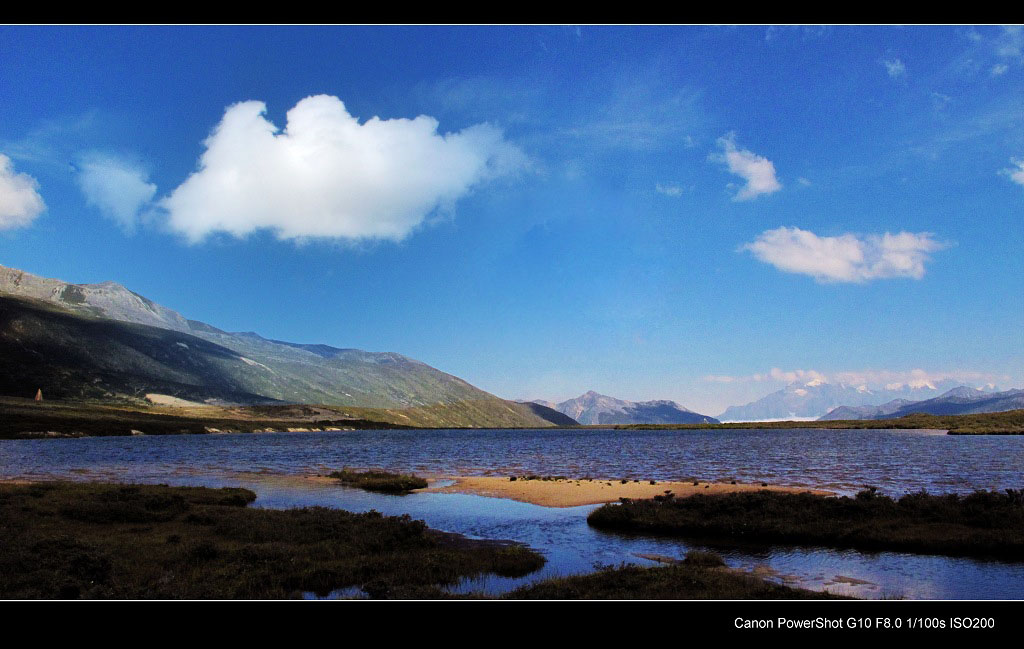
88	540
982	524
1010	422
380	481
62	540
701	575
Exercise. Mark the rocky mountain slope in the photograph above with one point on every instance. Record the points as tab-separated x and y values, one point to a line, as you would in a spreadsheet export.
549	414
103	341
596	409
846	413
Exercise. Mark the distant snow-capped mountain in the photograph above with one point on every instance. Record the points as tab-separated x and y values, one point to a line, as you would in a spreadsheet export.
962	400
594	409
816	398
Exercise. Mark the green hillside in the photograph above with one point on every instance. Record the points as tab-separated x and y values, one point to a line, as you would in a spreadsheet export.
77	356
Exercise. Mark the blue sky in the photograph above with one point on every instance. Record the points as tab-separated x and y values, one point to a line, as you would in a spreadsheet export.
690	213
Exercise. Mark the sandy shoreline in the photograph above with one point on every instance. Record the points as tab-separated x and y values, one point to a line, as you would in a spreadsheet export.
573	493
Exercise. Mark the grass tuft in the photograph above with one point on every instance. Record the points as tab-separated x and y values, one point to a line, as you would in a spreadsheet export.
379	481
705	559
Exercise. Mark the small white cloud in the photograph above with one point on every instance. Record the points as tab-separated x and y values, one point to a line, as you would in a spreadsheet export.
1010	43
803	181
846	258
1016	175
759	172
809	377
20	202
894	67
574	169
719	378
995	53
863	379
117	188
328	175
940	101
775	374
813	377
669	189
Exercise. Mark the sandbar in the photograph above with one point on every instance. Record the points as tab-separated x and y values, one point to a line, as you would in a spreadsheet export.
574	493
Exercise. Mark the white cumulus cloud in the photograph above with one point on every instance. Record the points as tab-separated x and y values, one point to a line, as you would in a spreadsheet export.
117	188
669	189
327	175
20	202
757	171
846	258
894	67
1016	175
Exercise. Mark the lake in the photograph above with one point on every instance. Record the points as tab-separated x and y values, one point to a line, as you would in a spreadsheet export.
895	461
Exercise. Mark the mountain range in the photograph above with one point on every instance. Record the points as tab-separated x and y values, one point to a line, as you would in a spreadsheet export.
962	400
813	399
103	341
592	408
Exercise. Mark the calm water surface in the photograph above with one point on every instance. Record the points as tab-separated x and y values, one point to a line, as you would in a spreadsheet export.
843	460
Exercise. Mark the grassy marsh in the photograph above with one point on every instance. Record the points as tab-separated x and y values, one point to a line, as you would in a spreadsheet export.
981	524
63	540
